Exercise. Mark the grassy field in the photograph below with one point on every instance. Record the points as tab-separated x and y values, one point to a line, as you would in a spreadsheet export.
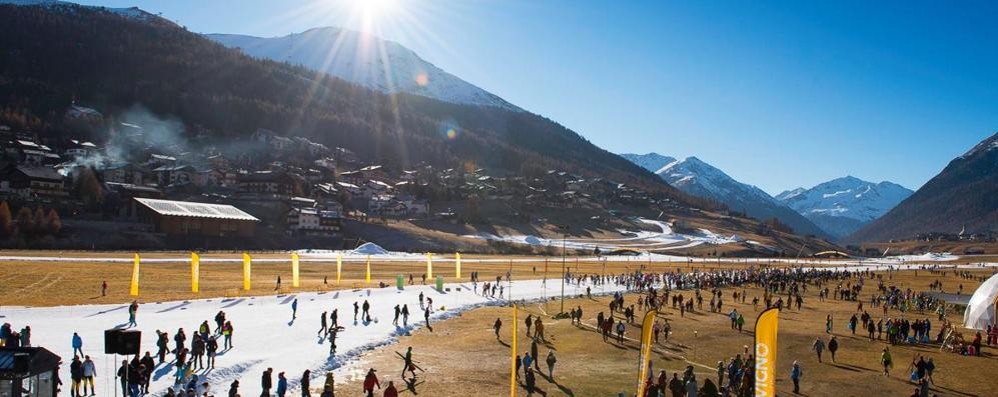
462	355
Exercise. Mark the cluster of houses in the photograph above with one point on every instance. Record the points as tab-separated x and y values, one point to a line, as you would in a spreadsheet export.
963	235
287	185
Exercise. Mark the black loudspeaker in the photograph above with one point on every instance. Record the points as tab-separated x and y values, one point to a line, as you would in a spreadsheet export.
21	361
111	337
122	342
128	342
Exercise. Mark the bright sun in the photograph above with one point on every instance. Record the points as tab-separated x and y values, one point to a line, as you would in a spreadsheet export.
372	9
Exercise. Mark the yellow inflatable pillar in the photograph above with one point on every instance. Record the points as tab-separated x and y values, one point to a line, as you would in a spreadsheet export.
134	290
457	265
429	266
294	270
247	271
195	272
339	267
367	277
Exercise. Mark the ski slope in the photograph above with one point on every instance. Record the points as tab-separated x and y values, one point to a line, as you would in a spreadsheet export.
665	239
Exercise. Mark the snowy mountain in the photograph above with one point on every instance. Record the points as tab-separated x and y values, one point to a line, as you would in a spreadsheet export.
366	60
843	205
964	196
651	161
695	177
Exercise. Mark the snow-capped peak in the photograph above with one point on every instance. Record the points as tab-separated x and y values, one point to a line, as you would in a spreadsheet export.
366	60
984	146
848	197
651	161
697	177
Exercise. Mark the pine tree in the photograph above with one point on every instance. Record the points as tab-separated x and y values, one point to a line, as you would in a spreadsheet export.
6	221
53	222
25	222
89	188
41	222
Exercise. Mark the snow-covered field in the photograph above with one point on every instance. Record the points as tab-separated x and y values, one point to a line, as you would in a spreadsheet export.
264	333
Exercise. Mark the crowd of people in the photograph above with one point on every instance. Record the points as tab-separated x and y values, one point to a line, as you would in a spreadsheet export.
682	292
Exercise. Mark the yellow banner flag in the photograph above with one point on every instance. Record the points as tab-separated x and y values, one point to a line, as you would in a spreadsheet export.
339	267
294	270
512	375
645	353
247	271
367	277
457	265
429	265
134	289
195	272
766	327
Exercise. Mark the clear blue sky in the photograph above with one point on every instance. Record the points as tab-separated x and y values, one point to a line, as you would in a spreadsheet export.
776	94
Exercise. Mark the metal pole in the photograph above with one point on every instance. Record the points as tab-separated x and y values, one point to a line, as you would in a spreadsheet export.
563	238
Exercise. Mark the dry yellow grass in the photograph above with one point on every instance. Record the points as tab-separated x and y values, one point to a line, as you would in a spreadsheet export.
78	281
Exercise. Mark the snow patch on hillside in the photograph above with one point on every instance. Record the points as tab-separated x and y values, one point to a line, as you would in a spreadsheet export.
665	239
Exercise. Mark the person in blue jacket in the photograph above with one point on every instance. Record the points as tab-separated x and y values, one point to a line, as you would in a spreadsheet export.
294	309
77	344
795	374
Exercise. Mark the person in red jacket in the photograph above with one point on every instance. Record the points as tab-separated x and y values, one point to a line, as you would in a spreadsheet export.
390	390
370	381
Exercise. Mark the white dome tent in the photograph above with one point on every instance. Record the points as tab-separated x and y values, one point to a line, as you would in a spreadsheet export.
981	308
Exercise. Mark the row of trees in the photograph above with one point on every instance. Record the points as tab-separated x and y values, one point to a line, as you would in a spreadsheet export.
28	224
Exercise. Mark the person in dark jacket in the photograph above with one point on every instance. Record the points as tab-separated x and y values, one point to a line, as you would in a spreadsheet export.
197	353
531	381
305	380
76	374
134	377
533	353
212	347
162	343
180	338
234	388
149	364
122	375
833	346
676	385
266	382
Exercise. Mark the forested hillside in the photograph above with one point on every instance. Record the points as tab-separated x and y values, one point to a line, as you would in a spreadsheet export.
57	54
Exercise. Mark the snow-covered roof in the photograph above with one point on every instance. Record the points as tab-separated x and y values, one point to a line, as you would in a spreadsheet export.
195	210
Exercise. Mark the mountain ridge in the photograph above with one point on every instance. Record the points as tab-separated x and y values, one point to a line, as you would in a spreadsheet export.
365	59
696	177
962	197
843	205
